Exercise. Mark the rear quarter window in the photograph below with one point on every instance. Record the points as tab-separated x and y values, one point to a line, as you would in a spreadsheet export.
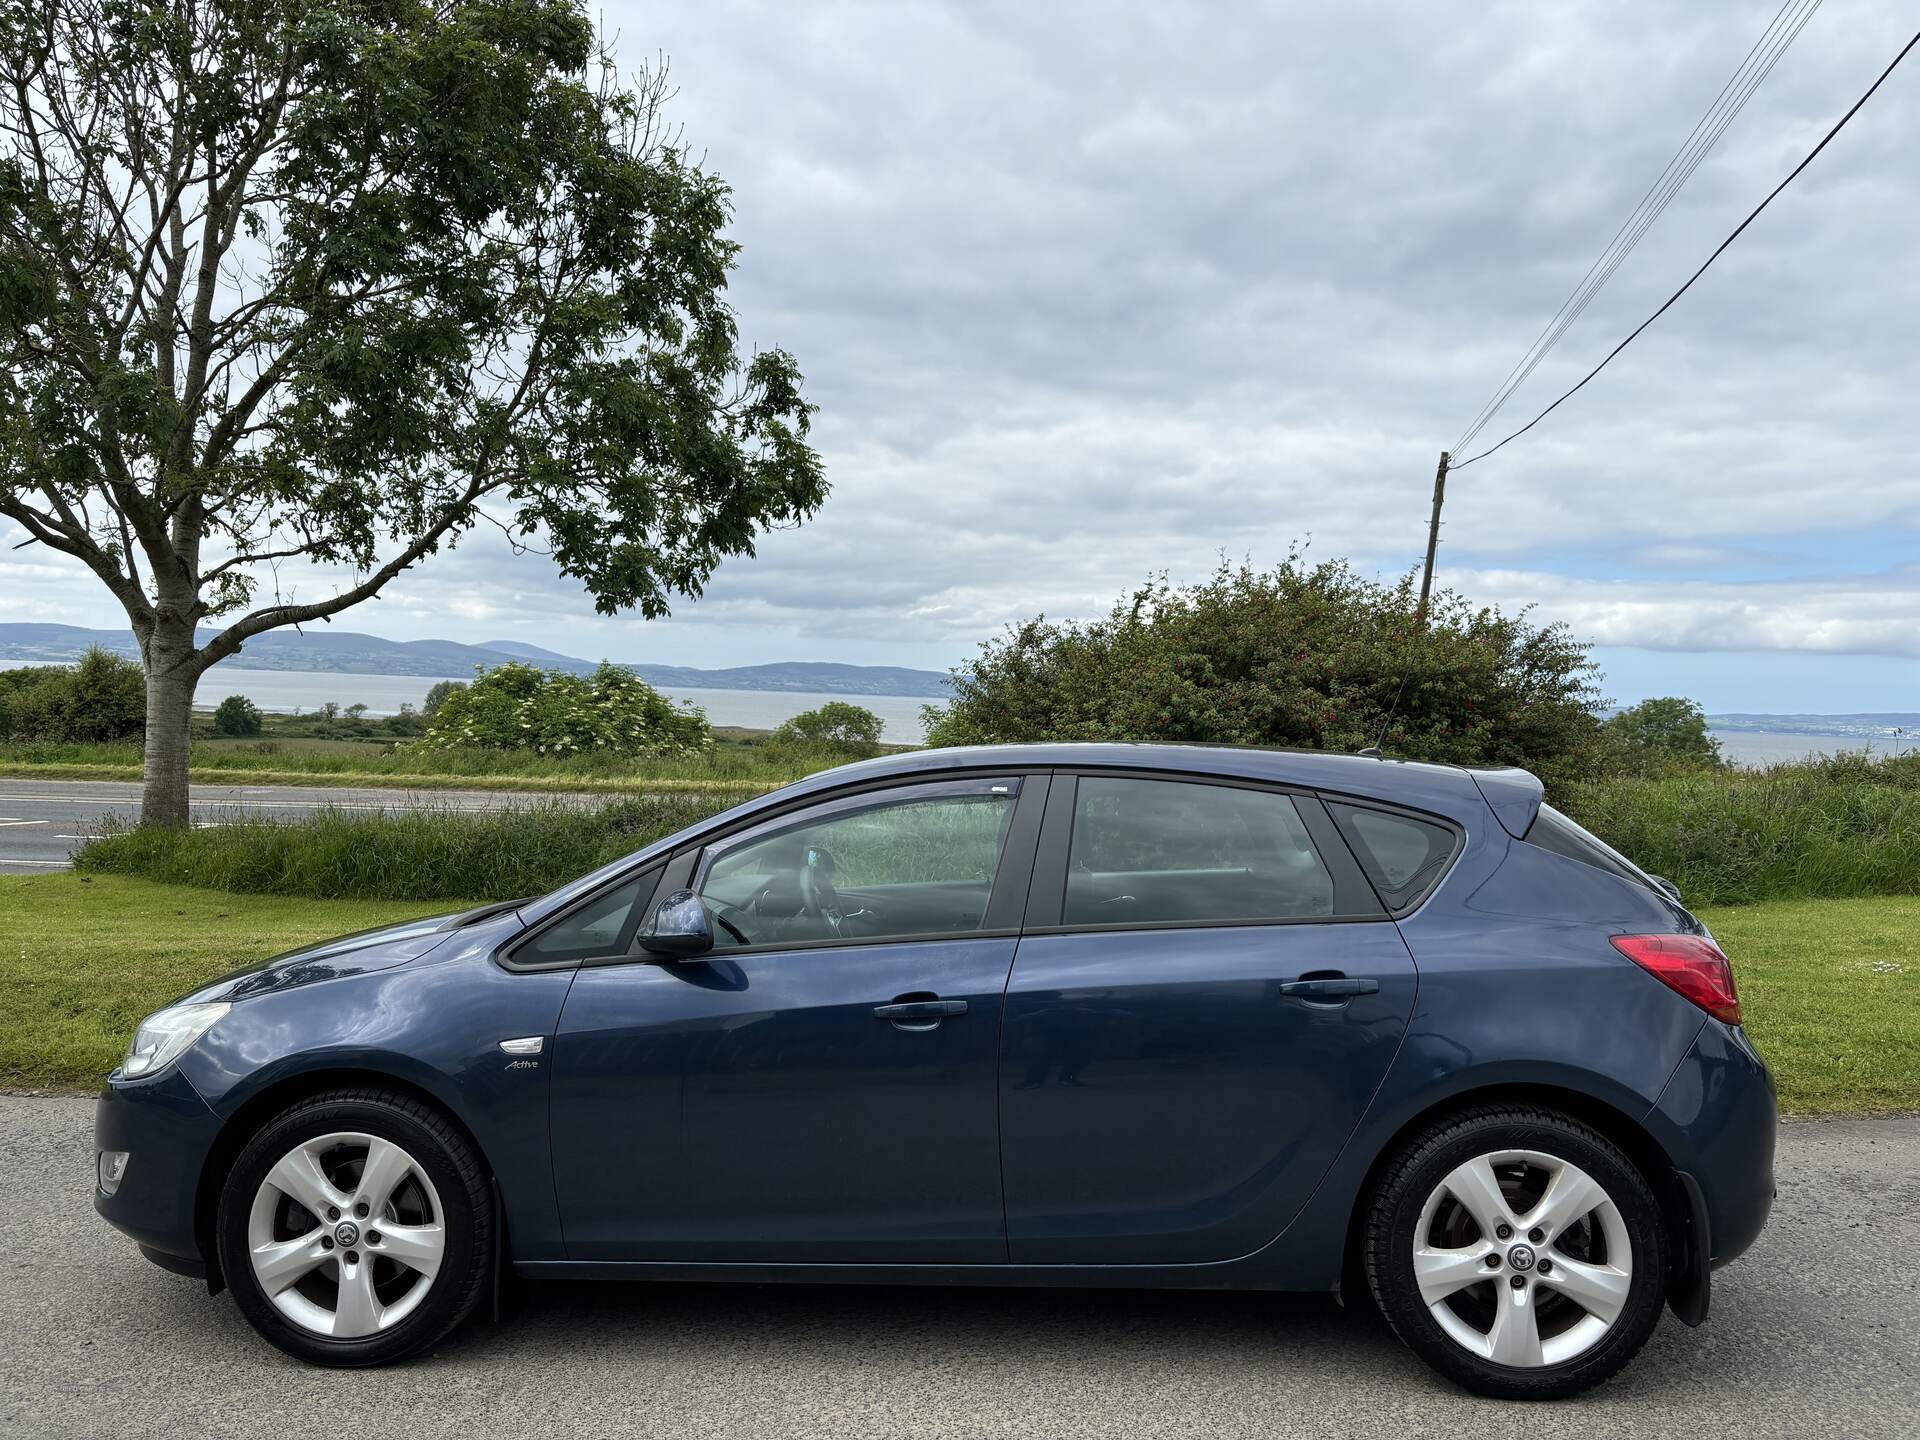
1553	831
1403	855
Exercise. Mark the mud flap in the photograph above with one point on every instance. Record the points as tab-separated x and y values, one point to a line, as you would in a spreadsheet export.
1690	1280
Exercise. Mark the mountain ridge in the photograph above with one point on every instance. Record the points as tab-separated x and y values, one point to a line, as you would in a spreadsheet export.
352	653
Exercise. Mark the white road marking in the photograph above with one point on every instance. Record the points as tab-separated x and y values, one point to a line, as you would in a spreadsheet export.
50	864
8	824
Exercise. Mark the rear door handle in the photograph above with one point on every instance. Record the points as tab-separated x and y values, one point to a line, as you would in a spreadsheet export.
920	1010
1330	987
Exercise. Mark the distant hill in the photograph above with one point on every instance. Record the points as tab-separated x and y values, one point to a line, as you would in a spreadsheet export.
347	653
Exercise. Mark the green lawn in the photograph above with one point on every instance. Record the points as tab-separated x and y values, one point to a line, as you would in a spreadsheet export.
1831	993
1831	987
82	959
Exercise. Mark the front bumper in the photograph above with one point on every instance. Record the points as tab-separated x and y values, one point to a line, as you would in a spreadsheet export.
167	1130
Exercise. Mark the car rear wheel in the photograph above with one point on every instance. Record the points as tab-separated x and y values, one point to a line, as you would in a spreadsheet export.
1518	1252
356	1228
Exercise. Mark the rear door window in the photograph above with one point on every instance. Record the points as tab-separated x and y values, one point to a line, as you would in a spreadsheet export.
1404	855
1156	852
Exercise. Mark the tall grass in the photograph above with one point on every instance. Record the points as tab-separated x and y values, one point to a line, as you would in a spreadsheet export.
1834	828
429	854
1819	829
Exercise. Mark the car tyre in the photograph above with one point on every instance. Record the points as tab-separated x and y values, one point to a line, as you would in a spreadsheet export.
357	1228
1497	1312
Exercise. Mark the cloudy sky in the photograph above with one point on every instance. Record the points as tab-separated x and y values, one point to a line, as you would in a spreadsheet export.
1090	291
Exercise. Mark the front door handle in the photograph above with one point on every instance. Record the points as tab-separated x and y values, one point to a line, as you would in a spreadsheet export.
920	1010
1329	987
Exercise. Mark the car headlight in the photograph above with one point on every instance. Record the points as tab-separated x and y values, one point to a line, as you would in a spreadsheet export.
164	1037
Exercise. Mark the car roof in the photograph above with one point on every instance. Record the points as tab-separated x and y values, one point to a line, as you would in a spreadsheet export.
1459	794
1435	787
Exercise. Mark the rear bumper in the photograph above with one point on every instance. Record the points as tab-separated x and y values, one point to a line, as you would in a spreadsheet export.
1716	1119
166	1130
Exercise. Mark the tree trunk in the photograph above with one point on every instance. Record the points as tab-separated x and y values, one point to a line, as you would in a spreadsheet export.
172	675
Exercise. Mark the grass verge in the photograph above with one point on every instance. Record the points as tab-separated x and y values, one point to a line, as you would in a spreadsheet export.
305	760
1831	994
1831	988
85	958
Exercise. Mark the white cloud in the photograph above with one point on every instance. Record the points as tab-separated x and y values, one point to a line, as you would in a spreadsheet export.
1090	291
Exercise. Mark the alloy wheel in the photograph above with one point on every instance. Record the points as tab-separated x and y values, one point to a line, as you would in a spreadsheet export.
1522	1258
346	1235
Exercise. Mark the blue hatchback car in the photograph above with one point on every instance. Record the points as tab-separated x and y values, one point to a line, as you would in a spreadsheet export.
1087	1015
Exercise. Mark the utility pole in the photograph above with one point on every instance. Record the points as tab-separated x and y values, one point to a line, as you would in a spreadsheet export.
1433	534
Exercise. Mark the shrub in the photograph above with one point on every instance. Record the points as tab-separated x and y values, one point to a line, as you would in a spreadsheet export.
237	715
836	728
427	854
1306	656
104	697
518	707
437	696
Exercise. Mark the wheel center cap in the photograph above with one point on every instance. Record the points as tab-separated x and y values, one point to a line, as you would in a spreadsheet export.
1520	1257
348	1233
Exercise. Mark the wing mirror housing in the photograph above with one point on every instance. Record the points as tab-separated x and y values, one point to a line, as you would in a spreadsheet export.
679	928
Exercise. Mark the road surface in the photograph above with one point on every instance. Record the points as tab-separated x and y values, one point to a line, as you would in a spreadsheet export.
1815	1333
43	821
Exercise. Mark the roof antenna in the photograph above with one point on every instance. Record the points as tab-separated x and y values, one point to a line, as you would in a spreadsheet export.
1375	751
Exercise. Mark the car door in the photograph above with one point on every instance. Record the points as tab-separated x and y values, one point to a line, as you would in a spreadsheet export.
1207	995
821	1087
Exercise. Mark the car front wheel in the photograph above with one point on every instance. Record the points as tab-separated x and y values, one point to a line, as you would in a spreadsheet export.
1518	1252
356	1228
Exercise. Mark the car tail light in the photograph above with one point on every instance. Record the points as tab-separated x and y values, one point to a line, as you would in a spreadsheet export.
1690	964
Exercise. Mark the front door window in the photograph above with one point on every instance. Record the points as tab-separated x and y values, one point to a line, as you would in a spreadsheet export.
885	868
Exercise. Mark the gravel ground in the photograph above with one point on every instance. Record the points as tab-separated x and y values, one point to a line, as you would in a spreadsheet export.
1815	1332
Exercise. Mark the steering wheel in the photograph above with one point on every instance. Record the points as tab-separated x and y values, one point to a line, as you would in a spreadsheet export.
818	897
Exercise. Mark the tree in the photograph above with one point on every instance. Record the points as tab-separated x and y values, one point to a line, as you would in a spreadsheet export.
357	710
297	281
1312	656
836	726
330	711
237	715
1667	731
438	695
516	706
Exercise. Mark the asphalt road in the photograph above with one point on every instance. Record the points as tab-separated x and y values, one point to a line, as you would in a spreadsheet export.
43	821
1816	1332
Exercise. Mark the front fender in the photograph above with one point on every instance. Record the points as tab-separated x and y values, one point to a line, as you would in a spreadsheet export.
434	1024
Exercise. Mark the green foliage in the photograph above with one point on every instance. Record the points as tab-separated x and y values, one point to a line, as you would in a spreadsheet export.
437	696
1821	829
836	728
1303	656
415	855
519	707
1661	735
13	682
102	698
237	715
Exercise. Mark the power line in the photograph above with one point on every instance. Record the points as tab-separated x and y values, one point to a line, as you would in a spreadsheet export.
1839	125
1781	32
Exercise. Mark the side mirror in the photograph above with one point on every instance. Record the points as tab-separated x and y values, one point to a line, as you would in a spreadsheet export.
679	928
